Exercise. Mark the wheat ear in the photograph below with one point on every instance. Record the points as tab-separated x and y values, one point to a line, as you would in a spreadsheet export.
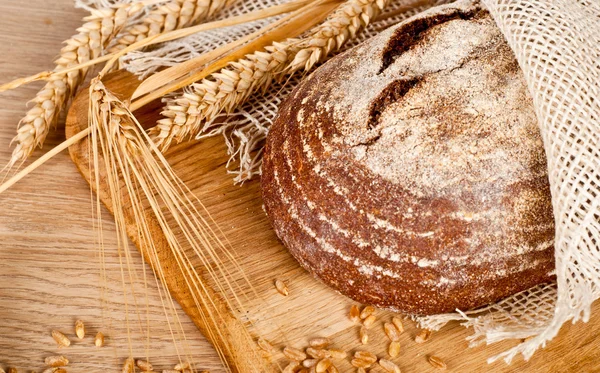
100	27
173	15
191	112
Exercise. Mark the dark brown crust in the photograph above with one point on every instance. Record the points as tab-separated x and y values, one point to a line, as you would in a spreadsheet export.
322	199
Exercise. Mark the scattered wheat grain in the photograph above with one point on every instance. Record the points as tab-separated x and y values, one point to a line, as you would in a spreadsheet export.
144	365
323	365
360	363
61	339
79	329
128	366
99	339
56	361
281	288
366	355
332	369
436	362
369	321
364	336
13	370
354	314
366	312
398	324
423	336
320	342
318	353
394	349
309	363
391	331
389	366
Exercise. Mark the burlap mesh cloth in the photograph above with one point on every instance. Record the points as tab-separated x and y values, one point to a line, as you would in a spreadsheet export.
557	44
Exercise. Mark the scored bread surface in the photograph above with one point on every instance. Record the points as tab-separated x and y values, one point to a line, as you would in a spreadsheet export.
409	172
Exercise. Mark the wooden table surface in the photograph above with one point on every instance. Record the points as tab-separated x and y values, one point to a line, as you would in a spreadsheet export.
49	271
50	213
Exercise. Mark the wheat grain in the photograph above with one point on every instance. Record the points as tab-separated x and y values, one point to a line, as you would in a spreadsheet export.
366	356
323	365
144	365
364	336
184	115
172	15
437	363
99	339
2	370
79	329
317	353
92	37
13	370
394	349
389	366
332	369
360	363
128	366
366	312
398	324
281	288
391	331
369	321
56	361
423	336
309	363
354	313
319	343
61	339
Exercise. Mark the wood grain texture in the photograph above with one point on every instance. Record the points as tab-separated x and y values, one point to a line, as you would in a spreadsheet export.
49	274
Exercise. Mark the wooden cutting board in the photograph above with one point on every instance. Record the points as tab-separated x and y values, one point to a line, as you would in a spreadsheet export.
311	309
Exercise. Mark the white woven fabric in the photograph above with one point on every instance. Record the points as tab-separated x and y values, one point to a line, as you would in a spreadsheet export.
557	44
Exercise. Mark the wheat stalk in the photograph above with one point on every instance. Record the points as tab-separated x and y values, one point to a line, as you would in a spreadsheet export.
227	89
99	28
173	15
136	176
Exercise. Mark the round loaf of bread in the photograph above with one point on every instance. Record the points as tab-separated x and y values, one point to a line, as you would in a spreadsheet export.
409	172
